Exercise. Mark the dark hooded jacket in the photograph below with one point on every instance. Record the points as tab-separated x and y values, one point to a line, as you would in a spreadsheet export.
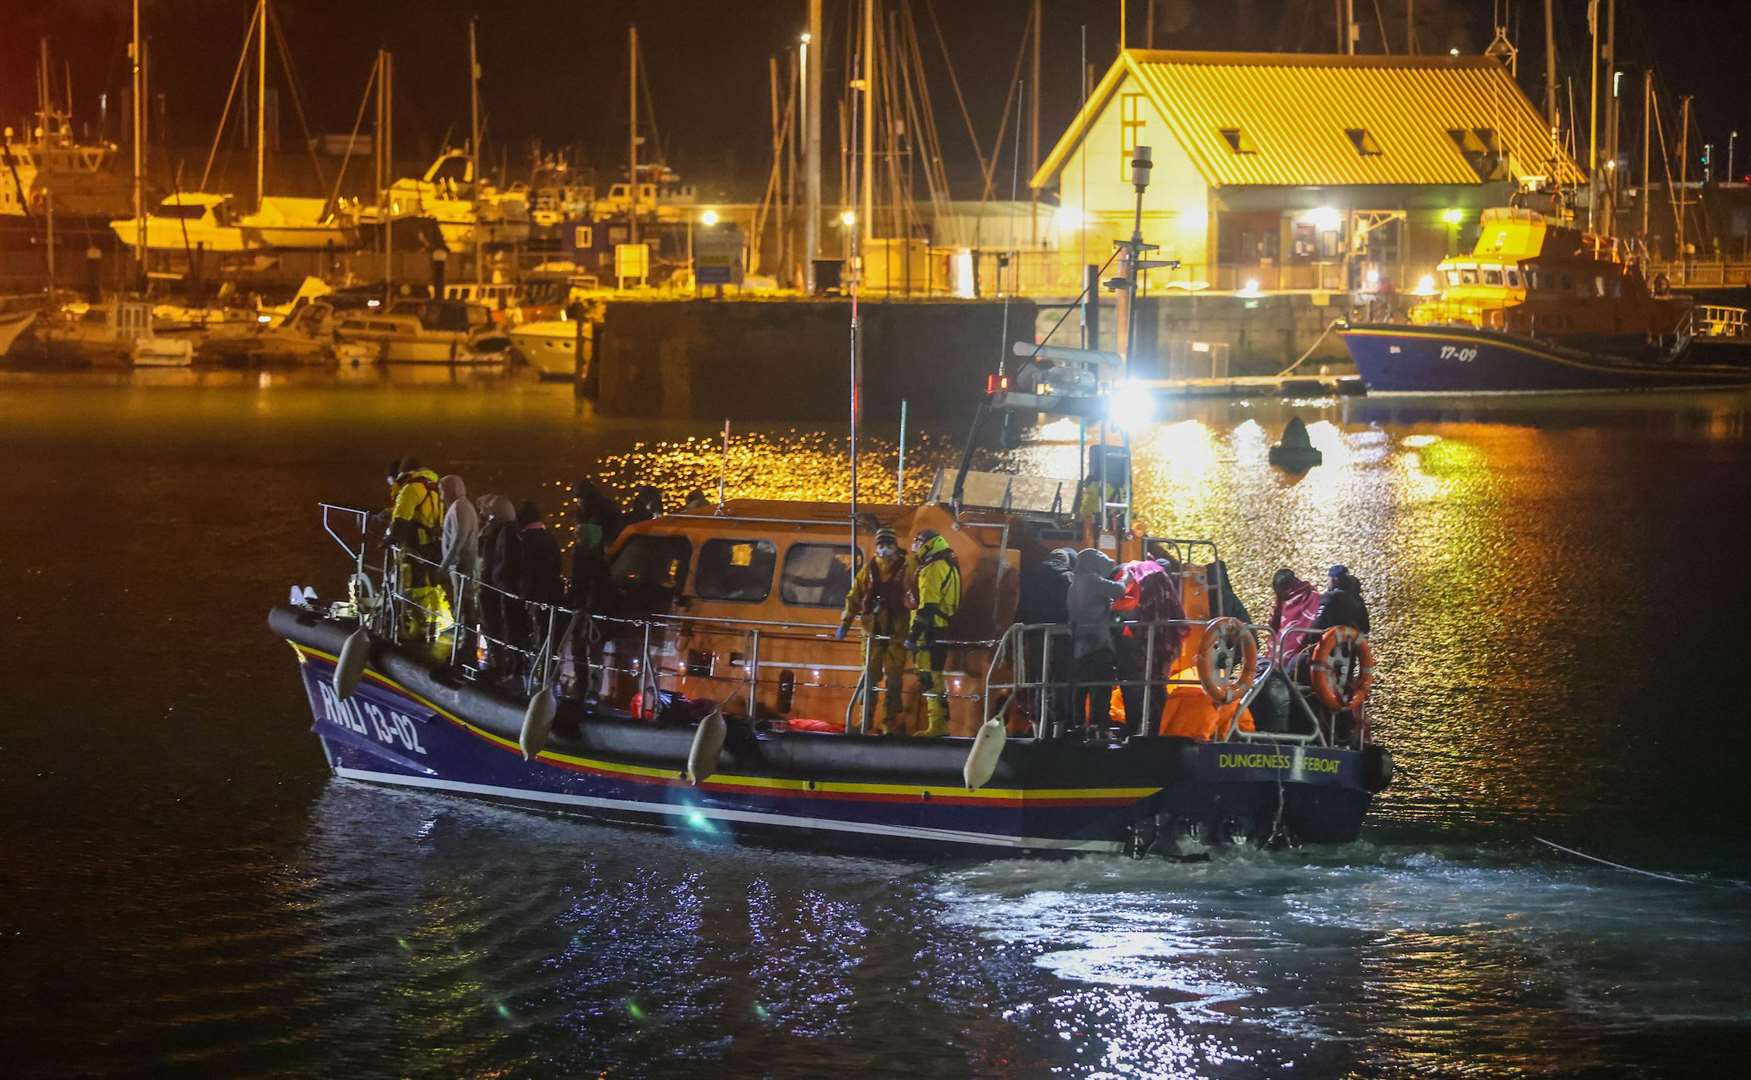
1090	603
1342	605
540	577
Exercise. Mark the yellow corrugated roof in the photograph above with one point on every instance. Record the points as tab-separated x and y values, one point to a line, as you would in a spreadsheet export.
1295	110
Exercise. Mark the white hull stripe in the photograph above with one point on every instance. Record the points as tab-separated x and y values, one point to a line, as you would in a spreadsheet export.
953	836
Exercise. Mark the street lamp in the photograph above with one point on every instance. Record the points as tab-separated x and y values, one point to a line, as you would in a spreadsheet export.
1731	139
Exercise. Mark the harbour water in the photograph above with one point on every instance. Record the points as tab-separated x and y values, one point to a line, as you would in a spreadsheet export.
1559	596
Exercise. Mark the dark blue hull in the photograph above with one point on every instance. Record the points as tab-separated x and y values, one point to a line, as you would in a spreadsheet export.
1457	360
407	725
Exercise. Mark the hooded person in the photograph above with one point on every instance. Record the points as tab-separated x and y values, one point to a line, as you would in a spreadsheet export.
1089	605
877	599
460	545
1342	604
598	521
936	585
1293	615
540	578
501	555
1154	607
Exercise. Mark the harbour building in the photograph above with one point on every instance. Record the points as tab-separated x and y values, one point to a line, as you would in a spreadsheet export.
1292	172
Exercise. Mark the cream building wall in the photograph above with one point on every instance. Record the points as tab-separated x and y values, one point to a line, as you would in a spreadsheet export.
1096	202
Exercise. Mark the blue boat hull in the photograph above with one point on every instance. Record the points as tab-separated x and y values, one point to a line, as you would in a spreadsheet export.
406	725
1456	360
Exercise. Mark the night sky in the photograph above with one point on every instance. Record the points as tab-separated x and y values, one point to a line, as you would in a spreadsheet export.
556	69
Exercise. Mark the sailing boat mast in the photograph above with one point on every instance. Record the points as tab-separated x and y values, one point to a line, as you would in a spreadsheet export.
474	141
632	133
139	124
1593	113
261	102
866	228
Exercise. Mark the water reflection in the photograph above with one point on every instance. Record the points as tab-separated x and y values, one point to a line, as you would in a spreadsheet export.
1558	595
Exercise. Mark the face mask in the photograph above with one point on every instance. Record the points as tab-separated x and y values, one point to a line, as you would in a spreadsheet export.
887	551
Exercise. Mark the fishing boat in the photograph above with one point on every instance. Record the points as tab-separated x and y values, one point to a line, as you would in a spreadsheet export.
1540	306
707	691
50	166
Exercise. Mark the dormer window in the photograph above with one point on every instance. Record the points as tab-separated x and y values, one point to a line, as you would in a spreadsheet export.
1363	142
1238	141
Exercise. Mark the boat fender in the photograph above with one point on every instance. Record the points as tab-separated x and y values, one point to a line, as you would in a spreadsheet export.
537	723
1225	639
708	744
982	758
349	667
1331	662
1376	768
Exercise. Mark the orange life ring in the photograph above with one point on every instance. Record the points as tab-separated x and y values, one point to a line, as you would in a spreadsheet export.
1337	647
1223	639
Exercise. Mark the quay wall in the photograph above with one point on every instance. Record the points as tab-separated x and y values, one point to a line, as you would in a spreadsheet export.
789	359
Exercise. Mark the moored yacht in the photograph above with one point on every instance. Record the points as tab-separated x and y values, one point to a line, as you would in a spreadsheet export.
425	332
187	222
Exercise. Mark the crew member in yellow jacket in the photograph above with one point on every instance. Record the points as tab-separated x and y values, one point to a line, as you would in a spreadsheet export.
416	521
878	599
937	585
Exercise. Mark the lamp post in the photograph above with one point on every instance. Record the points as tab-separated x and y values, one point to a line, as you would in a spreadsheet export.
1731	139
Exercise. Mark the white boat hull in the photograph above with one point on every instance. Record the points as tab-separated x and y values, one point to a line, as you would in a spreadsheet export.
12	324
551	348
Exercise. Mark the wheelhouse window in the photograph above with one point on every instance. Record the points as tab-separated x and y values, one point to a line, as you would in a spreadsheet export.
1468	276
815	575
1492	276
650	570
181	211
1514	278
739	570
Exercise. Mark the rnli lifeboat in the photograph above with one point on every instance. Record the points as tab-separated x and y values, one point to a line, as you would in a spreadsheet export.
1541	306
709	693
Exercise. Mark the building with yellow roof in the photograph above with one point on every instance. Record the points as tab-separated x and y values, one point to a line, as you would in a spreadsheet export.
1290	171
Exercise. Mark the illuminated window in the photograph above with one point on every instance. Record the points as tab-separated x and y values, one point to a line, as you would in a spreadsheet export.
1363	142
735	570
815	575
1131	124
1238	141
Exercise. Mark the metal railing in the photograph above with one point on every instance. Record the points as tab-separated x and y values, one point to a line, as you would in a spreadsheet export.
1026	674
1029	668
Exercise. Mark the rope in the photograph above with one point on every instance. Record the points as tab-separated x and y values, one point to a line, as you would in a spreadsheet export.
1316	341
1613	865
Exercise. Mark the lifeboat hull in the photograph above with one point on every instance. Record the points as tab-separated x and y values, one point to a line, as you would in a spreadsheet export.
411	725
1396	359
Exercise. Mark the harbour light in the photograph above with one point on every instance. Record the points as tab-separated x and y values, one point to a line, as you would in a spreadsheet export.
1130	406
1453	216
1069	218
1426	285
1251	288
1324	218
848	218
708	219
